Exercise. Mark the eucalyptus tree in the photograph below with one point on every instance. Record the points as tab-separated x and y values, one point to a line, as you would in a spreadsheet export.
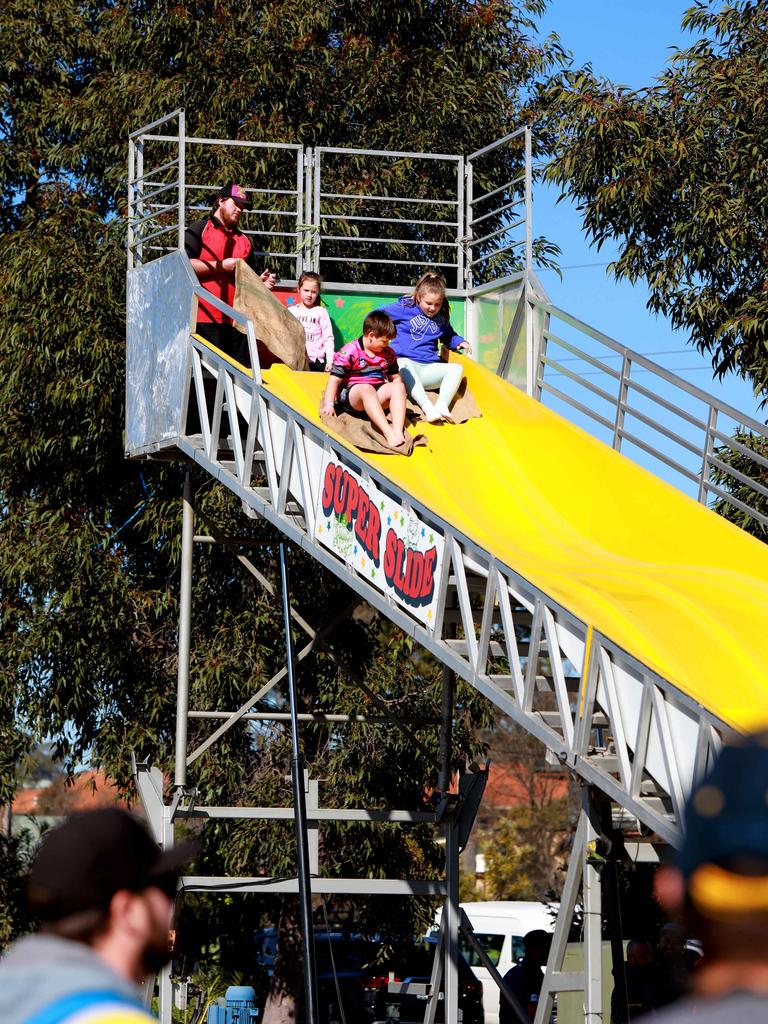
90	543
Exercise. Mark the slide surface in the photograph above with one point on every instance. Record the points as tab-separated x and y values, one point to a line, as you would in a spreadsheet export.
667	580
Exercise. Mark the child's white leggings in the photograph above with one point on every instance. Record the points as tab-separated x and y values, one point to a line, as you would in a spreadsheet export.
418	376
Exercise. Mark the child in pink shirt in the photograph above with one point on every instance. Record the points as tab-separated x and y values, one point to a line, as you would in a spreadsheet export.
315	321
364	380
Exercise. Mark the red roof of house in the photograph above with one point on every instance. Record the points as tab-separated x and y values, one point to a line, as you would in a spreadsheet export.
89	789
25	801
511	785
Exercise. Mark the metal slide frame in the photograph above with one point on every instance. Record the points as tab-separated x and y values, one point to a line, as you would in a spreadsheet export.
618	726
650	764
642	749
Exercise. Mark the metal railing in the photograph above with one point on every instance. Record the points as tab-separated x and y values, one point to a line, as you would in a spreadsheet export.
184	165
414	218
650	414
151	218
379	217
499	225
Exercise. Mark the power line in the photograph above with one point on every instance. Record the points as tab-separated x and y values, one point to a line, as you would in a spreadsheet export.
573	266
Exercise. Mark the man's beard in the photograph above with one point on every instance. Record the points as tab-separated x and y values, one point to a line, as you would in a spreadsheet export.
156	953
158	949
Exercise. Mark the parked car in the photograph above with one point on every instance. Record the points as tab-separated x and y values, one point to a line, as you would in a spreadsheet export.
342	961
354	973
499	926
401	987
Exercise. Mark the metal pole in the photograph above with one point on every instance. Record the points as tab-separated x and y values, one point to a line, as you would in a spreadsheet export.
316	222
300	812
451	913
165	987
131	211
468	277
528	203
182	178
451	906
593	963
139	193
301	217
709	443
446	730
307	236
460	206
532	350
185	633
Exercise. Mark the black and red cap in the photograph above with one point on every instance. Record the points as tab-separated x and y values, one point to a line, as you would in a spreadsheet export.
724	856
234	191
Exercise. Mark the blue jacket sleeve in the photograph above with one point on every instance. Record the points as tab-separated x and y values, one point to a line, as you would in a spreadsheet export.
451	338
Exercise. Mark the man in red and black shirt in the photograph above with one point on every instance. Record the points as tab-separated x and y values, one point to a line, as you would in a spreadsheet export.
214	245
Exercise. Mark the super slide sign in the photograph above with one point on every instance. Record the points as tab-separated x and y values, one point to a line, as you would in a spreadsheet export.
387	544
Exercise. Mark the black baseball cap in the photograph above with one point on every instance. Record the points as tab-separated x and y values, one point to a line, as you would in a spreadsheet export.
234	191
83	862
724	857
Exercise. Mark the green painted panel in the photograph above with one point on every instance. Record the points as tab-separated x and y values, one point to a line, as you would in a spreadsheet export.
347	310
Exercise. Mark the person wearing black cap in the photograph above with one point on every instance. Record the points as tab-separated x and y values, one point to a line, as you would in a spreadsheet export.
721	888
214	245
103	891
526	978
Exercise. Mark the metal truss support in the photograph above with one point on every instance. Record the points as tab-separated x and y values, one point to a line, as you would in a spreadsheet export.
583	876
300	811
185	634
614	721
451	915
149	783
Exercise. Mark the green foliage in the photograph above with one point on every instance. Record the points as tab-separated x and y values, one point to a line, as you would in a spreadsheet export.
526	852
90	543
15	852
526	846
745	470
676	174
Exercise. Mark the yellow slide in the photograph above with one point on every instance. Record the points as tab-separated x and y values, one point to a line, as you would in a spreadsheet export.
667	580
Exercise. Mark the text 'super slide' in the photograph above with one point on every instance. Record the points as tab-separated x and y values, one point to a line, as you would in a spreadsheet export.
389	545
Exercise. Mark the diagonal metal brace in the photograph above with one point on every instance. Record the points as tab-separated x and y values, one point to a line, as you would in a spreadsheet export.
319	640
235	717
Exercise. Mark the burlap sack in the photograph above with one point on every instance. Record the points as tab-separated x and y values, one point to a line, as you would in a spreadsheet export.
362	434
275	328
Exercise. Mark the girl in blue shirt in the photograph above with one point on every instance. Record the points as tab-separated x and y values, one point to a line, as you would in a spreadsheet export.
423	326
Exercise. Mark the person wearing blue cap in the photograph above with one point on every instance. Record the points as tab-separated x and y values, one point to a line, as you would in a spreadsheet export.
720	886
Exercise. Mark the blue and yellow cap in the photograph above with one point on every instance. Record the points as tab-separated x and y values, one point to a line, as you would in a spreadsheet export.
724	857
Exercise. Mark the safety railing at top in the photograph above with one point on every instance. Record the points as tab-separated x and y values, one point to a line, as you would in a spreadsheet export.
705	447
177	190
499	221
414	218
373	217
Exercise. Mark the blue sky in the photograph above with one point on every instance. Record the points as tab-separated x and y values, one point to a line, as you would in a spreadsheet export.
628	42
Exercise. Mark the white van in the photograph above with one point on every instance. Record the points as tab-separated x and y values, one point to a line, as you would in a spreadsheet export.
500	926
